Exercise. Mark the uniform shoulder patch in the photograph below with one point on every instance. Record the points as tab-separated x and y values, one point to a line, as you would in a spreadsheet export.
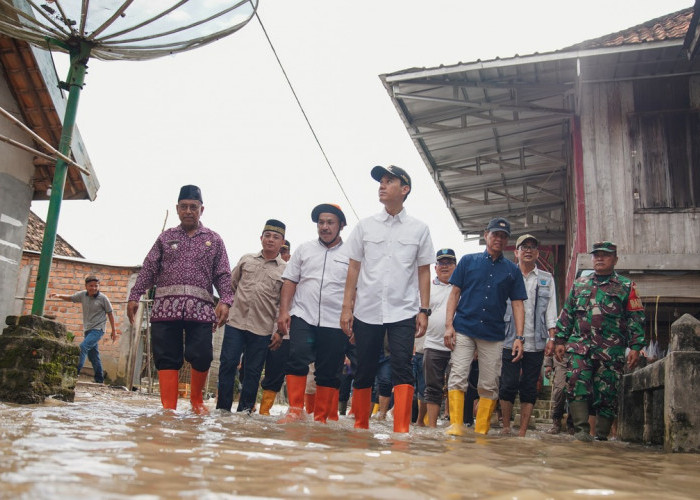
634	303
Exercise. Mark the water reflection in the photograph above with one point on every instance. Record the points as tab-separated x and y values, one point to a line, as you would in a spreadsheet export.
115	444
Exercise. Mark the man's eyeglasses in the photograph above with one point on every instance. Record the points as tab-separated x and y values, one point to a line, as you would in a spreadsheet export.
184	207
446	263
527	248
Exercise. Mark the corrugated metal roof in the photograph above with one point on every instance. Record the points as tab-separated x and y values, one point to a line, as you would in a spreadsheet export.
495	135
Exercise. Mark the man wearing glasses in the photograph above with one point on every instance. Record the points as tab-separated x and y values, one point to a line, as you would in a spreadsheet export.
184	264
520	376
436	357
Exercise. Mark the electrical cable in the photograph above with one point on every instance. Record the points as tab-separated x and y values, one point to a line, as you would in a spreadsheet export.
303	112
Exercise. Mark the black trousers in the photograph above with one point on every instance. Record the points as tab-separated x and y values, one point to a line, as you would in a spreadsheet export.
435	364
520	377
274	367
325	347
169	349
348	373
369	340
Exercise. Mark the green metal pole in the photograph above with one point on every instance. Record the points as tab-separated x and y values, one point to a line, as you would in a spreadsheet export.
79	55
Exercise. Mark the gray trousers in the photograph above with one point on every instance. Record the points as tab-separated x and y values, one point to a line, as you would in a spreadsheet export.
559	386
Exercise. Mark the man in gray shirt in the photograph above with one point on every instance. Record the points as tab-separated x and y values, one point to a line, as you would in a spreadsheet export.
96	310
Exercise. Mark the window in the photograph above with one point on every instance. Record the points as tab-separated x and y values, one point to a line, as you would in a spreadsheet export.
665	144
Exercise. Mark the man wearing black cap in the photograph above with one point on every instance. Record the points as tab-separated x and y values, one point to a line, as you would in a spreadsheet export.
184	265
387	291
285	251
312	296
520	377
436	357
483	282
601	317
256	281
96	310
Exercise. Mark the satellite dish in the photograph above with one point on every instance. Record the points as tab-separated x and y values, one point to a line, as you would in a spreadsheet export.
124	29
109	30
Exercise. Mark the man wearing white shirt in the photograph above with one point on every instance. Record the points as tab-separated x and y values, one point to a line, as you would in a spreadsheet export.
310	304
436	356
521	375
387	291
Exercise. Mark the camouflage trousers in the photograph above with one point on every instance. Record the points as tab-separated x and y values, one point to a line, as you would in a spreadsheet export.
595	380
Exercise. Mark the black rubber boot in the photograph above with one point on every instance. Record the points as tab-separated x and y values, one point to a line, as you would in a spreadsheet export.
579	414
602	428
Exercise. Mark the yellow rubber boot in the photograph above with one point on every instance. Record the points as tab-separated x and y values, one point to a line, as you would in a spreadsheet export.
455	400
483	415
268	399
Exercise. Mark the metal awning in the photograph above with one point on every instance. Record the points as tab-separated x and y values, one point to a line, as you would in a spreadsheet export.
495	135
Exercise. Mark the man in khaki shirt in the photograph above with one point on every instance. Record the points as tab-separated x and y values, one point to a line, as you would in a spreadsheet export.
256	282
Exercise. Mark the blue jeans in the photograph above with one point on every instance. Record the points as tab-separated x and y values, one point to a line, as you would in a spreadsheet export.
88	349
419	376
235	343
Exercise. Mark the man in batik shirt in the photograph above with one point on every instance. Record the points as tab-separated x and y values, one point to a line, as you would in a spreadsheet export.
184	264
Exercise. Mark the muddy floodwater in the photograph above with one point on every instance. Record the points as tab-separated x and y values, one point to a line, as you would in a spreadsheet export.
115	444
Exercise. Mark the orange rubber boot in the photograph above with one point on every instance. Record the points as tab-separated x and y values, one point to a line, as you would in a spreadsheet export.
323	402
309	402
296	385
403	402
333	410
199	379
168	381
361	401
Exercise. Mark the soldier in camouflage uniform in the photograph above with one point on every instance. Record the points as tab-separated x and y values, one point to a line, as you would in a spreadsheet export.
602	316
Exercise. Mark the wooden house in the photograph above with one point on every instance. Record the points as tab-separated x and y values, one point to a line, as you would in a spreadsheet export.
597	141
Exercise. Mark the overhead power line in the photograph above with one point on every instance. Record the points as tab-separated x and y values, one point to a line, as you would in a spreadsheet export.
303	112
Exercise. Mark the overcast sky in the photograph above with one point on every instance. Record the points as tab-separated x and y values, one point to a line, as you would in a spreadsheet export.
223	117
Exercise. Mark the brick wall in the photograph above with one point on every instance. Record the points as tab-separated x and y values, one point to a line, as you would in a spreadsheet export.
68	277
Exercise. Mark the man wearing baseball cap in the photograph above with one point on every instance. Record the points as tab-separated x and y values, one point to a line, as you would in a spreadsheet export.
387	291
286	251
520	377
96	310
482	284
602	316
436	357
310	305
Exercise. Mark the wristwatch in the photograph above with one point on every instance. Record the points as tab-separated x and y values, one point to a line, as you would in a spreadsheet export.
520	338
425	311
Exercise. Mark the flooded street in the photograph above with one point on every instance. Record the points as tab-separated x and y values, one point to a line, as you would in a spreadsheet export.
114	444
